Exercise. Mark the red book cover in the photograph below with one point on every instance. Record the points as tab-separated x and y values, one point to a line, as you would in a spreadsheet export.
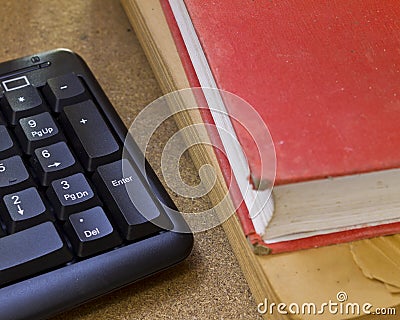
325	78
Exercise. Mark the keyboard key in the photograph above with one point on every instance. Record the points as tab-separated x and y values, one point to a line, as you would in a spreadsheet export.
13	175
113	184
71	194
54	162
24	209
37	131
90	136
91	232
8	146
2	233
64	90
31	251
22	103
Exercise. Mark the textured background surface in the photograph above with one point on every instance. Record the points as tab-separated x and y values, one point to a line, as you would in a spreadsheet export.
210	284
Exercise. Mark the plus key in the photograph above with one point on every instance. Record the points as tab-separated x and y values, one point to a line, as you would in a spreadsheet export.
90	135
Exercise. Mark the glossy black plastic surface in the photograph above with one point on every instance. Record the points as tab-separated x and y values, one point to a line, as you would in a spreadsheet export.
49	293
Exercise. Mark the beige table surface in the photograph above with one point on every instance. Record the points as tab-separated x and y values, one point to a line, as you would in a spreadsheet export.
209	284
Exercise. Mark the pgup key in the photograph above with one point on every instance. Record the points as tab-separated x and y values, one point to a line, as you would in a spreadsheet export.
37	131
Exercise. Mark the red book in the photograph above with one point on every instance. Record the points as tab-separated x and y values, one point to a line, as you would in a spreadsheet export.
325	78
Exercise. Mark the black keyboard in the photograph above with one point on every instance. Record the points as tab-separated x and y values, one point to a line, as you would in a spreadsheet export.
69	229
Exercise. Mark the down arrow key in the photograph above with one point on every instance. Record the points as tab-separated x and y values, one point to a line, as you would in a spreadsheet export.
24	209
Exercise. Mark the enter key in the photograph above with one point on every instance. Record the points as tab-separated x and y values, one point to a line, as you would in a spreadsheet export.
135	210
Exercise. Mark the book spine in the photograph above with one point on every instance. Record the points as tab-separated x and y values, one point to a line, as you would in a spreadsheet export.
242	212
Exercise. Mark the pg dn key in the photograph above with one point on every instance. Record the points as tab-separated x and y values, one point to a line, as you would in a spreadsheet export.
72	194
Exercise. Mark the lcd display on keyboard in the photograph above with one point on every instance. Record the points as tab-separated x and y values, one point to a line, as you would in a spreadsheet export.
61	206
